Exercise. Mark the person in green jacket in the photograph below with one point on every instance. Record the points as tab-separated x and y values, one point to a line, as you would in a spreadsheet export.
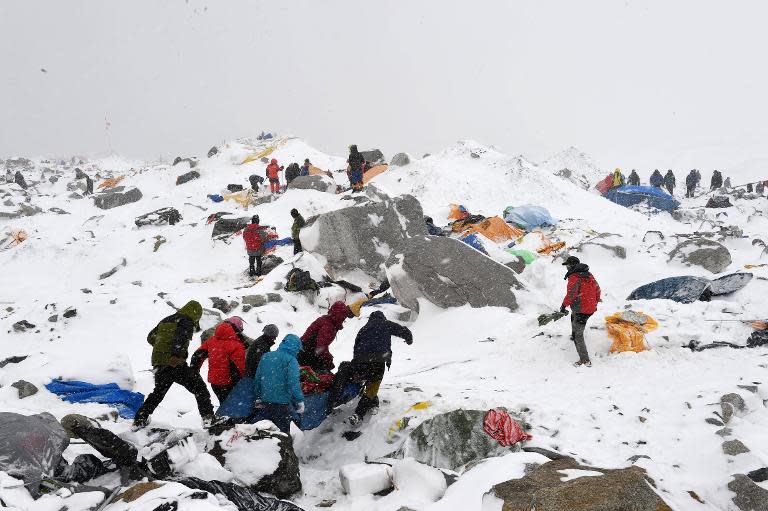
298	223
170	346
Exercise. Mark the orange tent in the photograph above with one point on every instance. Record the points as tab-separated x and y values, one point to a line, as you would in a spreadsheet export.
374	171
457	212
315	171
495	229
110	182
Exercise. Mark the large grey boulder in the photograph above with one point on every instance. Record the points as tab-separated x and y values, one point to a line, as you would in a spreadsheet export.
449	273
364	236
400	159
749	496
319	183
111	200
373	156
708	254
547	489
453	439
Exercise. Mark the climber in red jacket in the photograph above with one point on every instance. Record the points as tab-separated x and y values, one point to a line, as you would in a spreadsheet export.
226	358
255	236
582	297
273	170
317	339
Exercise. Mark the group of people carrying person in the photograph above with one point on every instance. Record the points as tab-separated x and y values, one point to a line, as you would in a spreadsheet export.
275	374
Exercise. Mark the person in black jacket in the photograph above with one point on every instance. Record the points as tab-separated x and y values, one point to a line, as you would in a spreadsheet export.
262	344
634	179
372	352
292	172
356	162
717	180
669	181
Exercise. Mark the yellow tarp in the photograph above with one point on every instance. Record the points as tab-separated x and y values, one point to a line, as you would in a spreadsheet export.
244	198
374	171
401	424
111	182
315	171
495	229
628	329
259	156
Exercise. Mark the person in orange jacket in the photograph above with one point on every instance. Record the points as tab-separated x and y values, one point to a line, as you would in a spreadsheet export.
273	170
226	357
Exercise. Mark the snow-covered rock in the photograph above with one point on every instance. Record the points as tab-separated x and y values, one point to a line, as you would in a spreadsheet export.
708	254
365	478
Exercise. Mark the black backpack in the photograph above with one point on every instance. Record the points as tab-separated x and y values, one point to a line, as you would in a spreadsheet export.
300	280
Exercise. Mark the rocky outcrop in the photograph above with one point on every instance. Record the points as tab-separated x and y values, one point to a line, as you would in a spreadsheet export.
400	160
319	183
186	178
114	199
449	273
702	252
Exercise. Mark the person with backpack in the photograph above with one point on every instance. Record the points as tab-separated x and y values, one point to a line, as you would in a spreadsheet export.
582	296
255	182
298	223
356	163
669	181
321	333
276	385
273	174
255	236
656	179
690	184
261	345
717	180
292	172
634	179
170	344
226	357
304	171
372	355
618	179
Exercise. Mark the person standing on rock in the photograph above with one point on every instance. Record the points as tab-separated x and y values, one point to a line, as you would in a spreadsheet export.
669	181
634	179
170	344
356	163
273	174
582	296
321	333
298	224
261	345
276	385
305	168
225	352
372	355
255	236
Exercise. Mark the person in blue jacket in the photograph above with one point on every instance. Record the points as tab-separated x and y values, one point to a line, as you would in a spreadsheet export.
276	385
657	179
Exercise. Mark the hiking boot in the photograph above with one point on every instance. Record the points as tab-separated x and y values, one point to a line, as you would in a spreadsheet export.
354	420
140	423
210	421
582	363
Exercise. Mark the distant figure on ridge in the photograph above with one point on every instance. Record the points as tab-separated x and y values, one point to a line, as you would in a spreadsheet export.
634	179
669	181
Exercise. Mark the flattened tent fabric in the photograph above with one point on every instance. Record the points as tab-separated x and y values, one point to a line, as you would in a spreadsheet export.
628	329
458	212
316	171
495	229
528	216
31	445
126	402
527	255
730	283
472	241
688	289
374	171
258	156
630	195
604	185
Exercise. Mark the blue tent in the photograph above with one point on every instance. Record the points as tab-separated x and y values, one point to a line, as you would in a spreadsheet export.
630	195
126	402
690	289
473	241
528	217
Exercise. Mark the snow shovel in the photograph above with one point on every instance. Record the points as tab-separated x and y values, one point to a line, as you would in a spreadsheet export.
548	318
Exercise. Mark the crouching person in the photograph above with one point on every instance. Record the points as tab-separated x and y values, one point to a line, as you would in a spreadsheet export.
277	389
372	352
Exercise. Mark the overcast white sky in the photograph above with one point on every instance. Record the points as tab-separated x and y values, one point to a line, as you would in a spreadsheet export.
633	83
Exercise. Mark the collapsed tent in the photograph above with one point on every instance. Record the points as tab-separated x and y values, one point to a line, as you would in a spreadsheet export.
126	402
457	212
528	216
628	329
495	229
718	201
472	241
628	196
604	185
373	172
688	289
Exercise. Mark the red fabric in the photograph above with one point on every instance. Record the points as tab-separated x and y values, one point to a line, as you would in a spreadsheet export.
501	427
254	236
315	387
224	346
583	294
273	169
605	185
324	330
274	185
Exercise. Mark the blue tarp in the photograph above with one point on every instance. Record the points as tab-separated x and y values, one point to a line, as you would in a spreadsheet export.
216	198
384	300
474	242
528	217
688	289
278	243
126	402
239	403
630	195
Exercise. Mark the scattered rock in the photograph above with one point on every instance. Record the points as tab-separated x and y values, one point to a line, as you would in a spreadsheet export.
695	496
186	178
517	266
137	490
373	156
25	388
702	252
730	404
23	326
436	268
451	440
255	300
564	485
58	211
13	360
223	305
364	236
159	240
400	160
111	272
636	457
714	422
724	432
748	388
274	297
213	151
191	161
54	318
319	183
616	250
116	199
734	447
70	313
749	496
79	174
365	478
234	188
29	210
162	216
269	263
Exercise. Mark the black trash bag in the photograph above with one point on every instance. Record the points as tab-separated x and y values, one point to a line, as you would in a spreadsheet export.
758	338
235	188
300	280
83	468
244	498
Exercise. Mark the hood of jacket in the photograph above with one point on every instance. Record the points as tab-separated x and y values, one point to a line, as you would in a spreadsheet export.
226	332
377	316
194	311
580	269
338	312
291	344
274	161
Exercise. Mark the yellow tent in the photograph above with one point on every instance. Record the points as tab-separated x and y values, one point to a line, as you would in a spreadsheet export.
495	229
627	329
244	198
259	156
316	171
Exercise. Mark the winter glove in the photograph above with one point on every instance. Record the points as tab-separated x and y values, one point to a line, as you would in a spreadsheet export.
563	309
300	408
176	361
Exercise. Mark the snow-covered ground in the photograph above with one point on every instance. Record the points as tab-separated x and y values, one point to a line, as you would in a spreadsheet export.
652	403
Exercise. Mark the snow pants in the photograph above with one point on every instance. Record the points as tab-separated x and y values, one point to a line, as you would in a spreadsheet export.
689	191
187	377
369	373
274	185
254	258
222	391
578	324
279	414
